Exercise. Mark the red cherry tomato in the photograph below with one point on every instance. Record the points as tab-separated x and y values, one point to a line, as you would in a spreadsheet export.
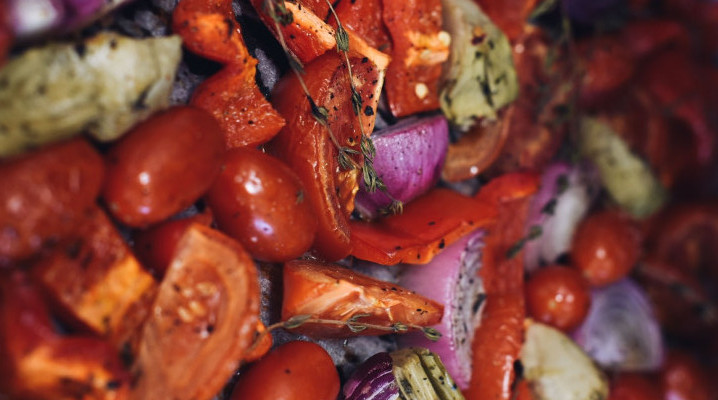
634	387
162	166
155	247
294	371
260	202
605	247
682	378
558	296
43	194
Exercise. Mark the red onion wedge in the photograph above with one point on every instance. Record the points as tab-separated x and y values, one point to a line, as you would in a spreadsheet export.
409	158
564	199
451	278
413	373
621	332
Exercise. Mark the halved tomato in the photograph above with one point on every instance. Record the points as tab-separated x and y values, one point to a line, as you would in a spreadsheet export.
203	321
331	292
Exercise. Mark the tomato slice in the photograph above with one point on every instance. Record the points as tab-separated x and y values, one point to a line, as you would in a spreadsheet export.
419	47
332	292
203	320
38	363
208	28
305	145
43	195
94	280
427	225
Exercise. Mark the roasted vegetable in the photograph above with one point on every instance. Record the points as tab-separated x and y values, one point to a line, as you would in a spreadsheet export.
628	179
101	86
481	78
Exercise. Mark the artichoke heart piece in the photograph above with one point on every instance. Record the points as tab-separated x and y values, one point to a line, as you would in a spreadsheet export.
557	369
102	86
627	178
480	77
420	375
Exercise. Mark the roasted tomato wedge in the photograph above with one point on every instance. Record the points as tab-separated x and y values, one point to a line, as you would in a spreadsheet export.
38	363
94	280
203	321
43	195
293	371
260	202
307	147
427	225
331	292
143	184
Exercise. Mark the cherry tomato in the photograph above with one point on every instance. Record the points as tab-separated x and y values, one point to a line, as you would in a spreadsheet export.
294	371
155	247
332	292
605	247
558	296
260	202
203	319
43	195
634	387
162	166
682	378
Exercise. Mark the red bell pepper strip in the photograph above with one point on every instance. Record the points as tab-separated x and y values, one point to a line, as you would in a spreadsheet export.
427	225
419	47
307	35
307	146
39	363
208	28
511	16
498	340
364	17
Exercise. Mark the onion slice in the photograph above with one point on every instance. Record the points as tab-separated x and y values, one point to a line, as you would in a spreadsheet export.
452	279
564	199
409	158
621	332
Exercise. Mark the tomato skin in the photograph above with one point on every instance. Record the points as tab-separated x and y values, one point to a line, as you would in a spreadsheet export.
155	247
558	296
605	247
631	386
43	194
203	319
162	166
294	371
260	202
682	378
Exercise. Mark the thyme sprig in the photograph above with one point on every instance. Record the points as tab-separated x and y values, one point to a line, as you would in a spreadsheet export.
281	16
354	324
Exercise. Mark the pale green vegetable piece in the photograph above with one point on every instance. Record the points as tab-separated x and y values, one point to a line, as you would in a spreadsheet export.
557	369
480	77
102	86
420	375
626	177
